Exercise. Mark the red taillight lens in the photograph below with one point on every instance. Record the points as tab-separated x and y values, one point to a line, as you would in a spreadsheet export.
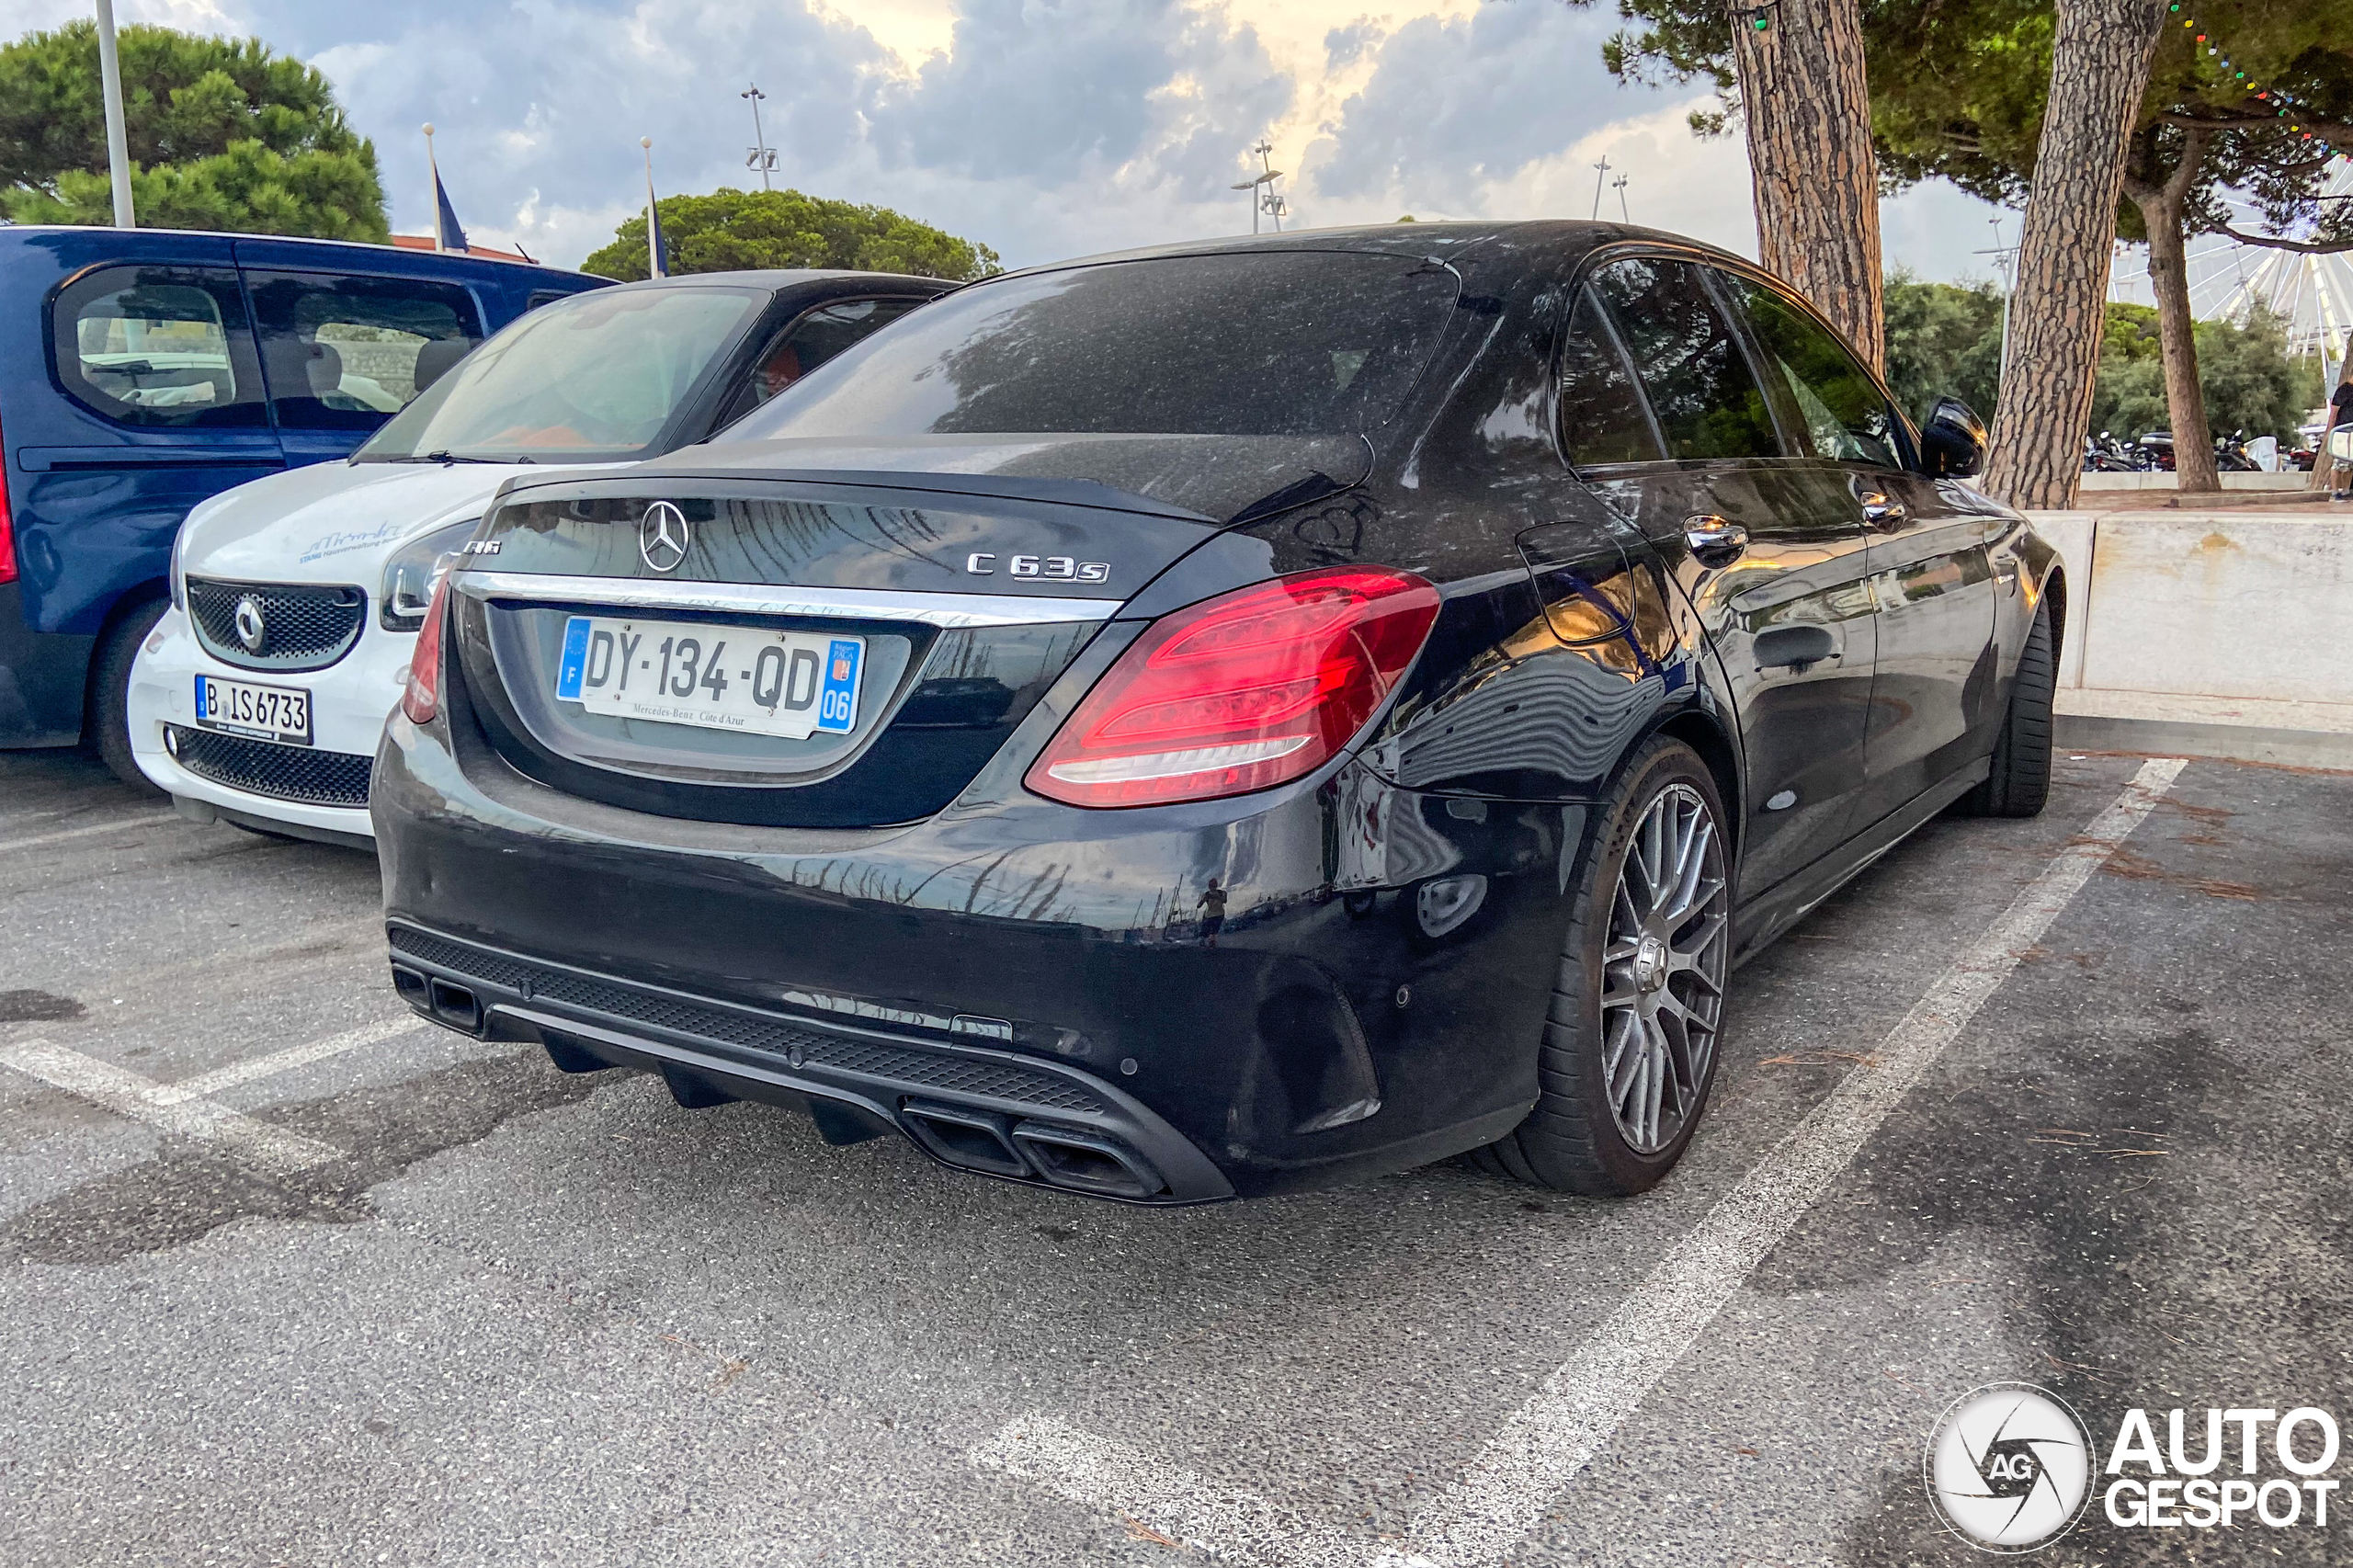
1240	692
421	699
8	528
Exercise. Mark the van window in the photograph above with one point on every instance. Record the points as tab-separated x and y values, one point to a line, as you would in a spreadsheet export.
341	353
158	345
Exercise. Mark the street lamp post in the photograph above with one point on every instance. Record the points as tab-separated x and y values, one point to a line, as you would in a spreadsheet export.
761	156
118	135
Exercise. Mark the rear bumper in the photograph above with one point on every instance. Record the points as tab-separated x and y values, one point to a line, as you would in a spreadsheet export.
42	677
977	1108
1370	1001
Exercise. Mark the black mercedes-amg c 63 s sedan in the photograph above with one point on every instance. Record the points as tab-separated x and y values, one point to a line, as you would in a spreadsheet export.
1213	720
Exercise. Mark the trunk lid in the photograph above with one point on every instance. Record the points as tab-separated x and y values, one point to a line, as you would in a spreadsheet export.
911	598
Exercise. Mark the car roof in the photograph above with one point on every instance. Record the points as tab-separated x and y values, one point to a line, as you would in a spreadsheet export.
1449	242
369	246
775	278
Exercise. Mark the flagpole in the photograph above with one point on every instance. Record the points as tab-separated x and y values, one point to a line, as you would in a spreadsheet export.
653	216
433	168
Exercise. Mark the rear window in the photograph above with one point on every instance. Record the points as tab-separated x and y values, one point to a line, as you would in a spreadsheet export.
159	346
1260	343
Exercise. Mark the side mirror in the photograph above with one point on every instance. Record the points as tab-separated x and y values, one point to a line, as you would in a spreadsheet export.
1953	446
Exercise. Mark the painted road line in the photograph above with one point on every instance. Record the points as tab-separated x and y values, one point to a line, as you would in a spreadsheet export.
148	820
125	1092
259	1067
1102	1473
1505	1492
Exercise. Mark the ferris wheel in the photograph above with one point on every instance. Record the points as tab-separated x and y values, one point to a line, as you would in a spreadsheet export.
2313	293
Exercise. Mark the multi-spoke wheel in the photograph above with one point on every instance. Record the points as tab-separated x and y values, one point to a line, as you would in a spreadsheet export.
1663	969
1629	1050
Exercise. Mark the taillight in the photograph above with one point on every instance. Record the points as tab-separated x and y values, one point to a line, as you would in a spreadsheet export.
1240	692
421	699
8	528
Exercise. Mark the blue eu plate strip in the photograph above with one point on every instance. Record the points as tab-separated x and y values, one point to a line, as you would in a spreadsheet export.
575	658
837	700
199	696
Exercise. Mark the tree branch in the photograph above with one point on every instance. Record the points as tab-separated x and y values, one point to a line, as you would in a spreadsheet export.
2273	242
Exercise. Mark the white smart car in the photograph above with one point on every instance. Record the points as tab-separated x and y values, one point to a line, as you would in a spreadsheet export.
260	696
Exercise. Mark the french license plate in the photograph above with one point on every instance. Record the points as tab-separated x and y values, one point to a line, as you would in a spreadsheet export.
794	684
265	713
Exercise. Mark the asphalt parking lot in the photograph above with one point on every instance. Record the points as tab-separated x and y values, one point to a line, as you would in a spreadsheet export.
290	1280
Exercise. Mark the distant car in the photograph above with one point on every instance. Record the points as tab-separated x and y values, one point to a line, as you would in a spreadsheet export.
260	696
1222	718
143	370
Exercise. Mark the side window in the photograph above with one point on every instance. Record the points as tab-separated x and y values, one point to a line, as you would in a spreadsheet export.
1603	417
1847	419
158	345
1706	398
342	353
808	342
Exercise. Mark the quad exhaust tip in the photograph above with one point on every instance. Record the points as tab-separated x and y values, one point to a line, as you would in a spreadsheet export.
1072	1157
454	1006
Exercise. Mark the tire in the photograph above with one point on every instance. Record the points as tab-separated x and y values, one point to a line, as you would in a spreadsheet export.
1596	1129
2020	781
105	710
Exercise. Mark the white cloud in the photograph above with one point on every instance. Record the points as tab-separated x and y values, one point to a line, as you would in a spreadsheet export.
1044	128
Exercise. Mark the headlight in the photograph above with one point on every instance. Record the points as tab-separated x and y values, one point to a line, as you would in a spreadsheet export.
410	576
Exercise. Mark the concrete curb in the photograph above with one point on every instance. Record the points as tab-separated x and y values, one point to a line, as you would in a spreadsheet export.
2171	737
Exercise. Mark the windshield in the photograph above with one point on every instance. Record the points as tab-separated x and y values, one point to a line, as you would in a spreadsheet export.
1253	343
591	379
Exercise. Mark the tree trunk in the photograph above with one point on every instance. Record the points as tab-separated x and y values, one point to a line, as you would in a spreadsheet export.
2099	66
1809	123
2160	201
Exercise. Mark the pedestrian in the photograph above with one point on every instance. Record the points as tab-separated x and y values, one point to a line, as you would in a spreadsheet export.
1212	907
2340	418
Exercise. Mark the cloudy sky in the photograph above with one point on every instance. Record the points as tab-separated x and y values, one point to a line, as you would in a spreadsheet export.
1044	128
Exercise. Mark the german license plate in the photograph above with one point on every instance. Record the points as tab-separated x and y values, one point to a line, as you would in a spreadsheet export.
793	684
263	712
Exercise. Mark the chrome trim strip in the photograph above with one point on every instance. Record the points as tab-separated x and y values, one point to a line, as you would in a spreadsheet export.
950	610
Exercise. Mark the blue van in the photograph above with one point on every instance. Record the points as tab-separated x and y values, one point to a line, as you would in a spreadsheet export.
143	370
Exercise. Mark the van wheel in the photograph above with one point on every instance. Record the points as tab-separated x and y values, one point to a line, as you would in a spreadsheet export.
2020	781
1629	1048
106	711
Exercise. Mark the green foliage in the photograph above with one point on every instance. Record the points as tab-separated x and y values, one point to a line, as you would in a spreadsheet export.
2244	369
1943	340
732	230
248	189
223	133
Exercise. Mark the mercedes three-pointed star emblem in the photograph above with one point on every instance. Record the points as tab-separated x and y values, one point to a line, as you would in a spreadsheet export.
663	537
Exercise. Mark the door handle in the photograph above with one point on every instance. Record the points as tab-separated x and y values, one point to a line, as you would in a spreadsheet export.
1884	512
1714	541
1794	647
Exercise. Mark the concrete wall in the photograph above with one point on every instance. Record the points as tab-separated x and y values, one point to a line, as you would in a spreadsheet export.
2228	604
2157	479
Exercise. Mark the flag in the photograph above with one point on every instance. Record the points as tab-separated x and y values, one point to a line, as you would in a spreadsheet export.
448	234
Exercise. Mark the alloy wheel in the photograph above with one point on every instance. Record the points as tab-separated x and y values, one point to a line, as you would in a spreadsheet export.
1663	969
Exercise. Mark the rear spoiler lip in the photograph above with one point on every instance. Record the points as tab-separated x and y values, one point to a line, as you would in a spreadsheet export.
1085	492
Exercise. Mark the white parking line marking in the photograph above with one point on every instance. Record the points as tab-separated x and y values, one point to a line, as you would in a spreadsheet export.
1503	1492
258	1067
148	820
1097	1472
127	1093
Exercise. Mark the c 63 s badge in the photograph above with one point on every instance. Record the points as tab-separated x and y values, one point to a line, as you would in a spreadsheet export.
1045	568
